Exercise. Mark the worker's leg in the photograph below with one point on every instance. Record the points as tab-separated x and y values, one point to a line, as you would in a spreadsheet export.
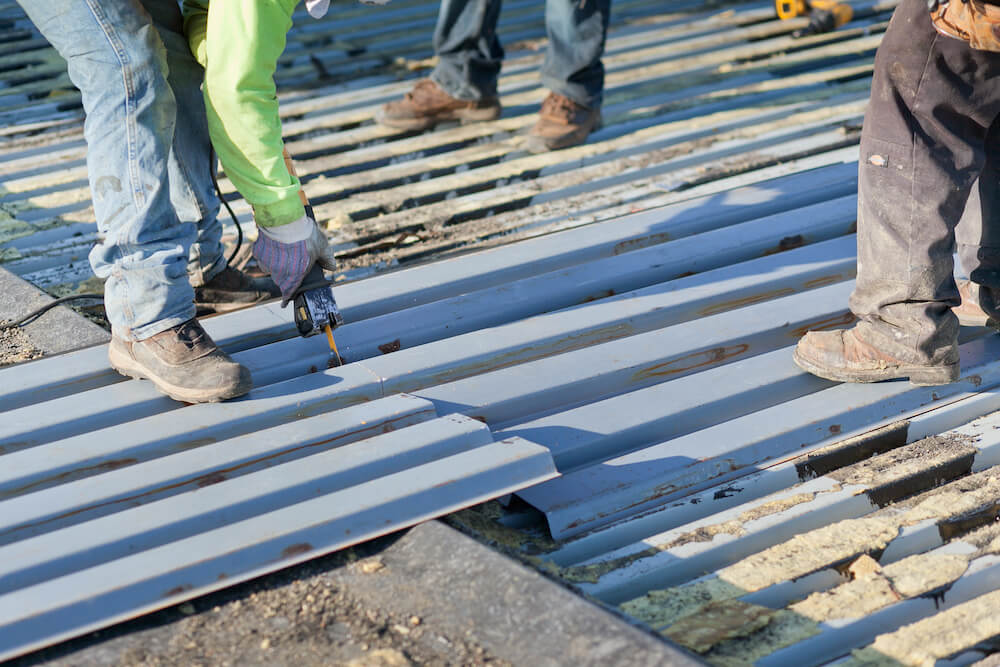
463	85
191	191
978	234
923	146
468	50
573	72
218	288
118	61
577	30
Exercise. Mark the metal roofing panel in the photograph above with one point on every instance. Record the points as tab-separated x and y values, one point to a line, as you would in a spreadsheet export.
660	473
360	507
713	211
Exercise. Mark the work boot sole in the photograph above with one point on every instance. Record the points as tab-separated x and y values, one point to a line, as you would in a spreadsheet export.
923	376
428	122
128	366
967	319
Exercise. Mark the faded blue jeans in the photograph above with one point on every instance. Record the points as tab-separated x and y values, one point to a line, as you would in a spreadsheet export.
469	52
148	155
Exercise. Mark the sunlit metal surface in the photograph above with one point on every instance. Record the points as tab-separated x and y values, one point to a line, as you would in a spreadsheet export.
638	337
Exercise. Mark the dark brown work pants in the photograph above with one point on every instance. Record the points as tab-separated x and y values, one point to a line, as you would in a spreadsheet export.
931	139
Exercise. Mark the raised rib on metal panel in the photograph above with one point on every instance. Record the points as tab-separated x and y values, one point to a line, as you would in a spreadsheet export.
621	366
731	449
130	401
360	509
213	462
164	434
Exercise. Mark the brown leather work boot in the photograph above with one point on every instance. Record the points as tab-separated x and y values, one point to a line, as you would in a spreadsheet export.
562	123
427	105
969	312
843	357
231	290
184	363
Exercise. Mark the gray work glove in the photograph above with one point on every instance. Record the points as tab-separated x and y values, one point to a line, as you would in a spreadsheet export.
318	8
289	251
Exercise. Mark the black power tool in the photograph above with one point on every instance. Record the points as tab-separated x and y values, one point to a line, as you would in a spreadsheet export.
316	310
314	307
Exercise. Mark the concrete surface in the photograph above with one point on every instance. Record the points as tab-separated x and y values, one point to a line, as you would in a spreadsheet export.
59	330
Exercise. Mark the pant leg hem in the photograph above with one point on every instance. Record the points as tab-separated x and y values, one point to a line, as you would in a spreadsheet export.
150	330
574	93
464	92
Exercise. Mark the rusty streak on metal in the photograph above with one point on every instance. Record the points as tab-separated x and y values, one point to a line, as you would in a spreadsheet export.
296	549
733	304
837	321
71	475
641	242
700	359
216	476
787	243
392	346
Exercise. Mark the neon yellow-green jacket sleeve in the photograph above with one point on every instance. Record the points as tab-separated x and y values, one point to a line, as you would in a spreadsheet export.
238	42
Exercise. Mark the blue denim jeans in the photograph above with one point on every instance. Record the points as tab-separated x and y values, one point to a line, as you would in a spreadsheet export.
148	155
469	52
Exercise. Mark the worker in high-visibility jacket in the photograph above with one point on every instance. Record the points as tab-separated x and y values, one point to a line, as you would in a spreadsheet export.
930	151
238	42
159	241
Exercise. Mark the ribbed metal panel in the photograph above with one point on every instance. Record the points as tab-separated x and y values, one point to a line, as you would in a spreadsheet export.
638	336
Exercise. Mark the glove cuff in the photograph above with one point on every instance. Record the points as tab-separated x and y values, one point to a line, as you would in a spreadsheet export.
293	232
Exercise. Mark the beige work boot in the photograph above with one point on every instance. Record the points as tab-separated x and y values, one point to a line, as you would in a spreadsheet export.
562	123
969	312
428	104
842	356
184	363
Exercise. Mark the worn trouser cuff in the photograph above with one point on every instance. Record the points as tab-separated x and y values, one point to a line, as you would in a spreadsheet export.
159	326
458	89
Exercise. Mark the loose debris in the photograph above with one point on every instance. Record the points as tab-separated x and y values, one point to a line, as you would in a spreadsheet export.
304	616
15	346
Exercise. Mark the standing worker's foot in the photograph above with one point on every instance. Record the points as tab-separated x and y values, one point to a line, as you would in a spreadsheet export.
184	363
843	357
970	313
562	123
232	289
428	104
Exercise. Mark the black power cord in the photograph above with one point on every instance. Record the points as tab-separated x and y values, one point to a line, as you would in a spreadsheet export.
38	312
232	216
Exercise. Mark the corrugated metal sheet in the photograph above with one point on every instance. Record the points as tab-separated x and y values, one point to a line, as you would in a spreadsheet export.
639	334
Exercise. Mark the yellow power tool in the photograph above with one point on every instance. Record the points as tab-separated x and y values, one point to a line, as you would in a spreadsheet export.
824	15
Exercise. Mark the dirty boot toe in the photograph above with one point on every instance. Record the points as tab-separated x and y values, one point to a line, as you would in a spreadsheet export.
184	363
842	356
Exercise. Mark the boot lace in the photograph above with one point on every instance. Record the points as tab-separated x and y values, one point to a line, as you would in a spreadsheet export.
424	93
190	334
560	106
